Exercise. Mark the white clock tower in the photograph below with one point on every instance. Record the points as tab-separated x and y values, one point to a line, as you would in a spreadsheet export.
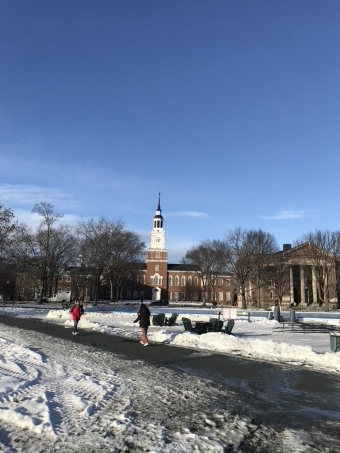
158	234
157	257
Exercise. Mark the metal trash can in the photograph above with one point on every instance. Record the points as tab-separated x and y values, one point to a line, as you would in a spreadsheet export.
292	316
270	315
277	313
335	341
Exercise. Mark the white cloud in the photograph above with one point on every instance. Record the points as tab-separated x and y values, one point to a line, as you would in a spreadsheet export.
286	214
29	195
190	214
33	220
177	246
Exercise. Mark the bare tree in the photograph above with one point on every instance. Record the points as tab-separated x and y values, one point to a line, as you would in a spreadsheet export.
279	275
109	250
263	246
210	260
247	257
45	255
127	252
322	254
7	228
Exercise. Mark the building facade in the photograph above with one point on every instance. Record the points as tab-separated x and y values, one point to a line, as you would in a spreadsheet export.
298	276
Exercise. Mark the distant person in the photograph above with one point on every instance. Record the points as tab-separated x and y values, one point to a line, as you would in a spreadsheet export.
76	312
143	316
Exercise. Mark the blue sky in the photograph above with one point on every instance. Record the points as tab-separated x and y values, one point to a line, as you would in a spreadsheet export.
229	108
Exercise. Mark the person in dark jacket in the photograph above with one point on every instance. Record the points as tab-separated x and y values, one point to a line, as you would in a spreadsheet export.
143	316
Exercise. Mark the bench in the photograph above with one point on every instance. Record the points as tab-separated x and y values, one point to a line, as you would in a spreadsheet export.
301	327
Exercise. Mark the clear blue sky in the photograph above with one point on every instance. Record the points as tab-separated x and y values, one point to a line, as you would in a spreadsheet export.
229	108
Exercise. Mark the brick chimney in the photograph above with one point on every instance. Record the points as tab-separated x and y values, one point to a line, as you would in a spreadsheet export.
286	247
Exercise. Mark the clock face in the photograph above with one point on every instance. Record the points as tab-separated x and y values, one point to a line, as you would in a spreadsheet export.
158	239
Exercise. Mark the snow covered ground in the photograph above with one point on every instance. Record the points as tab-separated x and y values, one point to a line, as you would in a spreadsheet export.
62	396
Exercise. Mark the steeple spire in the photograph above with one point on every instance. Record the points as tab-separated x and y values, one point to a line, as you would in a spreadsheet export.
158	218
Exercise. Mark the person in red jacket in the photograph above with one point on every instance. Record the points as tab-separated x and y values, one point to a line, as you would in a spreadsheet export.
76	312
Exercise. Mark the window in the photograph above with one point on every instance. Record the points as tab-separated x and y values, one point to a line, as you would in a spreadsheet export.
182	281
196	281
157	268
156	254
271	295
170	295
195	296
135	295
142	279
176	281
68	278
176	296
227	282
182	296
128	294
220	281
60	279
220	296
190	280
170	280
227	297
155	279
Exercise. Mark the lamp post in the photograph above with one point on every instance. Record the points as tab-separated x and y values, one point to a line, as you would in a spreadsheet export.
7	284
84	281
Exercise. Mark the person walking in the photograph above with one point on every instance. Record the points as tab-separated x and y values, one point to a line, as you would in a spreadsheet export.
143	316
76	313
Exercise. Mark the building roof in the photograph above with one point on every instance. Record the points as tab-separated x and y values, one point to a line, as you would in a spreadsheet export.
182	267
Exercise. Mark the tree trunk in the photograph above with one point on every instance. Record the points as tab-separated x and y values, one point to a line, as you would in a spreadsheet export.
243	298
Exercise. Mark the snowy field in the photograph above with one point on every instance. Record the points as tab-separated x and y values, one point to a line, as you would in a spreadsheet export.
63	397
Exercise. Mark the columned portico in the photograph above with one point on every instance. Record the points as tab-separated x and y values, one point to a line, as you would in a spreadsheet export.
314	287
302	285
291	281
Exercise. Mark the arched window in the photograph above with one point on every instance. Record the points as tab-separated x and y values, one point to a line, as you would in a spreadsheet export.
170	280
176	280
196	281
155	279
182	280
189	280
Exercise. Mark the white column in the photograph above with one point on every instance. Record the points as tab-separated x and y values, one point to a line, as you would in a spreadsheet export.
302	285
291	279
315	292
